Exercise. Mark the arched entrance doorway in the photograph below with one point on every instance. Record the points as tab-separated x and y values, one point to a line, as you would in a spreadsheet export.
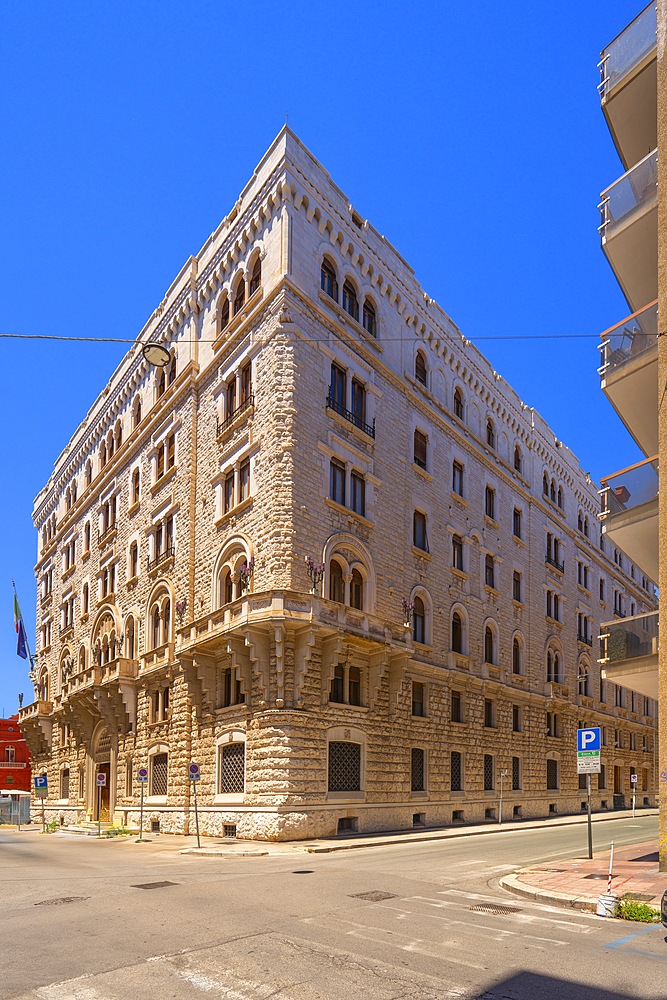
102	765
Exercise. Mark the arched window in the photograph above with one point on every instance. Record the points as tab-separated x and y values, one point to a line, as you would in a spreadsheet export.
134	491
580	521
82	658
133	561
560	501
419	621
256	277
370	318
224	314
458	404
86	537
350	303
336	582
118	434
586	527
490	434
457	632
517	657
68	498
239	298
420	367
130	645
554	675
552	491
74	491
166	620
517	458
357	590
171	368
545	485
156	629
161	382
88	475
489	645
85	599
583	680
103	455
328	282
136	413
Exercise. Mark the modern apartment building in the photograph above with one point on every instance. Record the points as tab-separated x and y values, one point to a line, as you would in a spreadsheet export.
633	371
326	553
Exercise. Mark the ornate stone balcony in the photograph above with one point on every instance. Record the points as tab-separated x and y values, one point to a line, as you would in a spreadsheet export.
36	724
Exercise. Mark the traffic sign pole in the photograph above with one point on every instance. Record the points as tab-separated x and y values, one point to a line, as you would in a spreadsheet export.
141	814
99	810
196	814
194	776
590	820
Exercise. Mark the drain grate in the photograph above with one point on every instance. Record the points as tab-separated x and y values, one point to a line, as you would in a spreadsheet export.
375	896
496	908
153	885
61	899
599	877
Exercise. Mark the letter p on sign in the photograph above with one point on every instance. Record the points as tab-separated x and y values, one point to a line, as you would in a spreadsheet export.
588	739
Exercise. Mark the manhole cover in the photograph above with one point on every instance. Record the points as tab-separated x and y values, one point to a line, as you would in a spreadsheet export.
153	885
497	908
61	899
599	877
374	897
303	871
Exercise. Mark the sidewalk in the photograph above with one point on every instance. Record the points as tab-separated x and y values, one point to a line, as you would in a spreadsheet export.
579	881
217	847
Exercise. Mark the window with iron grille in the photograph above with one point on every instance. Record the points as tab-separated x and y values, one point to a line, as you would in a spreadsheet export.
418	774
552	775
488	772
64	783
344	767
231	769
456	764
159	774
516	774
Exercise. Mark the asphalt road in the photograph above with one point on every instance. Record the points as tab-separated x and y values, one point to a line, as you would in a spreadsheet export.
79	926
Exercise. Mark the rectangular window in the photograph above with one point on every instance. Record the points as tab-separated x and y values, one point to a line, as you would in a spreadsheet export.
488	772
337	481
418	707
344	767
419	538
516	523
457	707
358	402
516	774
489	572
244	480
229	491
490	502
456	766
64	783
516	719
602	590
489	714
457	552
358	491
582	783
420	445
602	778
457	478
338	387
516	586
552	775
418	771
246	382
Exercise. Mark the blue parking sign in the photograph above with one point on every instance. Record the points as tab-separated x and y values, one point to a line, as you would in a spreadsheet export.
41	781
589	739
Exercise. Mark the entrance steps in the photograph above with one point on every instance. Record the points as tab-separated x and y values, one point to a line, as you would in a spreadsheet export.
85	829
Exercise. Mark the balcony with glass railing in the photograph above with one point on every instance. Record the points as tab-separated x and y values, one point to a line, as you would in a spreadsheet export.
629	230
628	86
630	513
629	374
630	653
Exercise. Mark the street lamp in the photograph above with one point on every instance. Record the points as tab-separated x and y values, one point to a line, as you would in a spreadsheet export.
156	354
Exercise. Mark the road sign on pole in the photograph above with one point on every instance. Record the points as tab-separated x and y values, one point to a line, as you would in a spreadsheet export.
193	772
194	776
142	775
41	784
589	743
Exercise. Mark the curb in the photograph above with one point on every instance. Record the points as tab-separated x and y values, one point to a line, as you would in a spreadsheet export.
511	883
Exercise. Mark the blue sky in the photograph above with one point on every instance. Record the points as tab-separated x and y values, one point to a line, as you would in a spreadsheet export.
469	134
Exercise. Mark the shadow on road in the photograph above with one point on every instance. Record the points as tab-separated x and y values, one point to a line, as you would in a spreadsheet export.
531	986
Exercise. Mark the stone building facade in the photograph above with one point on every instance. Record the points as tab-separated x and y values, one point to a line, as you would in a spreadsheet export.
326	553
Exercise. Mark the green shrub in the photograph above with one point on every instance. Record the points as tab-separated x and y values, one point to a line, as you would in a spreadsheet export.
632	909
